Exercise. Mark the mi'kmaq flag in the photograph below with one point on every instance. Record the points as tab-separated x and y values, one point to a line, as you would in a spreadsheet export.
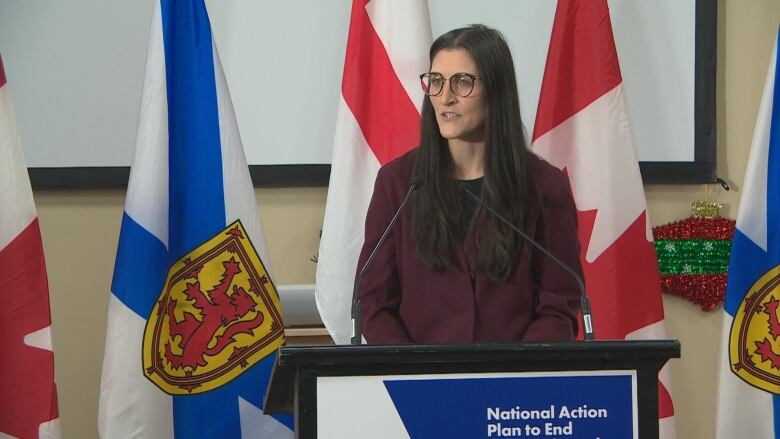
582	127
378	120
749	389
194	319
28	395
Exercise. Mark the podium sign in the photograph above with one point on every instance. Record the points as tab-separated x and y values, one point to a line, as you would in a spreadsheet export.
535	404
592	390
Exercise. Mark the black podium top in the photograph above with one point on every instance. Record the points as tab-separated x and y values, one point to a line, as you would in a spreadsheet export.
347	360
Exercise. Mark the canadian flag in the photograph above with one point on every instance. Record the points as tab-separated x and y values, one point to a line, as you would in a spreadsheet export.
378	120
582	127
28	395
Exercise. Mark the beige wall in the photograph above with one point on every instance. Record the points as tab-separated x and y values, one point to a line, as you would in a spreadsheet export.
80	230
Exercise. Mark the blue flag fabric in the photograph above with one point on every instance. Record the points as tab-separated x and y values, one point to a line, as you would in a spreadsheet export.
189	184
749	390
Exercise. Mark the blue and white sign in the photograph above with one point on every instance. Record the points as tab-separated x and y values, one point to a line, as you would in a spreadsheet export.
550	405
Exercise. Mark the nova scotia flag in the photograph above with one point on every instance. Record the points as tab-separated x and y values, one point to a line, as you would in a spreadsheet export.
194	319
749	391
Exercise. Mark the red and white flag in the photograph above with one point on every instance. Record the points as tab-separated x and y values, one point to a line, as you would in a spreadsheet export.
378	120
582	127
28	395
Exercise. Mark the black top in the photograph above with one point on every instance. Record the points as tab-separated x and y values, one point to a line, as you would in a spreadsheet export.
470	205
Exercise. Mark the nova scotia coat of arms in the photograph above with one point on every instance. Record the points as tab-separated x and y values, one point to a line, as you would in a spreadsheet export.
217	315
754	345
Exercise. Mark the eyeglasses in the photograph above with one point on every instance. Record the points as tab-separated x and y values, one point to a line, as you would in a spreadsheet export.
462	84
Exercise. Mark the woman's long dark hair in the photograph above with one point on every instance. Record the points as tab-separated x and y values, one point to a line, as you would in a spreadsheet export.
438	217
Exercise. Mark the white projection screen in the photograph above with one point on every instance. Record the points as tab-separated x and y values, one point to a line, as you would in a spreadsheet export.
75	71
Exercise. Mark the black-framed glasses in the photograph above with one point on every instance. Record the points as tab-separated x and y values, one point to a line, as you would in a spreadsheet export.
462	84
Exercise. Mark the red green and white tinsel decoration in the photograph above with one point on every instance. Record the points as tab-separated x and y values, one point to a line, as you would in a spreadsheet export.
693	255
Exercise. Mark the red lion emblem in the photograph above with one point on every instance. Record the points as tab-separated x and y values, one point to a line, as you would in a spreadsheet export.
217	315
218	310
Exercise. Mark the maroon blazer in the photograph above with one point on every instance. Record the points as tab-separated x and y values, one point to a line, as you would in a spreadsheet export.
404	302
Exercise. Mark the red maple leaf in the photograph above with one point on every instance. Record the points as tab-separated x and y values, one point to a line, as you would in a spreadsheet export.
29	396
623	286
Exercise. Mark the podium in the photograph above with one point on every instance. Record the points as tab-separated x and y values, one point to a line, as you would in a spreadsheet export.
545	390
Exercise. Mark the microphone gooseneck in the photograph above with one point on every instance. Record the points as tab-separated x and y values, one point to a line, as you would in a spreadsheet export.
357	311
587	317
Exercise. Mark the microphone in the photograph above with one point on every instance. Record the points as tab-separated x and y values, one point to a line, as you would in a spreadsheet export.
587	317
357	312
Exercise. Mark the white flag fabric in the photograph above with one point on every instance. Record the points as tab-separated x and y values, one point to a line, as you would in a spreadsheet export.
194	319
582	127
749	386
378	120
28	394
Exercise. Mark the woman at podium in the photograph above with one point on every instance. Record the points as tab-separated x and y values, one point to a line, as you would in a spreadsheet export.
450	270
